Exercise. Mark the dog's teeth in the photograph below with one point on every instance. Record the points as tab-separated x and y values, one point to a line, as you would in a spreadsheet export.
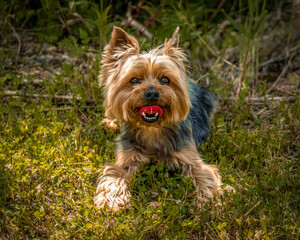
150	118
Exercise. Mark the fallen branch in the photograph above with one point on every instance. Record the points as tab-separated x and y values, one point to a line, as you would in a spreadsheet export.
284	71
9	93
71	108
130	21
281	57
128	12
139	27
264	99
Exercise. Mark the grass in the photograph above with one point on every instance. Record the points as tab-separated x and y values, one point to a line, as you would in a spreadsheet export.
51	156
52	150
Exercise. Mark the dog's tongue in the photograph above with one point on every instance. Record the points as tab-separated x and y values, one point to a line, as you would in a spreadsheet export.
151	110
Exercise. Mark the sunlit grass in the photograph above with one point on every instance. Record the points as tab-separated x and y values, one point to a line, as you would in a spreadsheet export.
51	158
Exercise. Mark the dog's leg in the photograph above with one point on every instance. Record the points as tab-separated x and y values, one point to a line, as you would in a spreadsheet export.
207	178
112	189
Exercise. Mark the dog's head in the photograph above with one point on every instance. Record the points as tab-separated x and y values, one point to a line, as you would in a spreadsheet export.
147	89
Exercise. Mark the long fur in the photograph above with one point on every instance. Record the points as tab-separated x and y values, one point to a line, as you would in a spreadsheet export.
174	137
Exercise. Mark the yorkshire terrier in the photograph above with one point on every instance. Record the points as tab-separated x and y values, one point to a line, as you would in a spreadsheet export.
162	114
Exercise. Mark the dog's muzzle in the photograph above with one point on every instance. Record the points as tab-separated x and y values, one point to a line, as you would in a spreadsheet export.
151	114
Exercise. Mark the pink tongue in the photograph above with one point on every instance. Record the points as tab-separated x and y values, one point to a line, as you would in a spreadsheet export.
151	110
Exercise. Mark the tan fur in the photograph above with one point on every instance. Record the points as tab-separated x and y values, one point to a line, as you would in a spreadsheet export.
207	178
122	61
110	124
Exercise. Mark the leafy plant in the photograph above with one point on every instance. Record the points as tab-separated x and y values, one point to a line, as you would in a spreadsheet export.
248	39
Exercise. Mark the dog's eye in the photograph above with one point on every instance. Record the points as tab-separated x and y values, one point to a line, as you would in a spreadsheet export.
164	81
135	81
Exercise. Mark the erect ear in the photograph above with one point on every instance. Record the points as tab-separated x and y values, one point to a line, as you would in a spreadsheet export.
122	41
174	41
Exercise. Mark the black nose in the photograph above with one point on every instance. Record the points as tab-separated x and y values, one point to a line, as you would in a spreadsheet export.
152	95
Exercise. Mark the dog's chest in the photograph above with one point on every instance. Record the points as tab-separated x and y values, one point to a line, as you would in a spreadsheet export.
157	142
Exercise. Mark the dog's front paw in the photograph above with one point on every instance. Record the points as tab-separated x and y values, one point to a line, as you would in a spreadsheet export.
229	189
110	124
226	188
113	193
205	194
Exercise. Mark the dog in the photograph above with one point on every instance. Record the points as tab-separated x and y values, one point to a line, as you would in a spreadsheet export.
162	114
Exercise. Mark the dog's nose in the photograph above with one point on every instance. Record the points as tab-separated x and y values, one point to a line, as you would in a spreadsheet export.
152	95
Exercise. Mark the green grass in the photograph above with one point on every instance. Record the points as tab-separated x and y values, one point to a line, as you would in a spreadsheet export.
52	153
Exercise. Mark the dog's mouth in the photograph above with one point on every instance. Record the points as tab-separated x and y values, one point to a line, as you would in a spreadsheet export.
150	114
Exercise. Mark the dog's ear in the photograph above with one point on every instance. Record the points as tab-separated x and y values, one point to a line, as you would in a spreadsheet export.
174	41
121	41
171	47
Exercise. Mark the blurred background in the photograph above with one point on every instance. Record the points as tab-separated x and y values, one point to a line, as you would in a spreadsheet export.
249	47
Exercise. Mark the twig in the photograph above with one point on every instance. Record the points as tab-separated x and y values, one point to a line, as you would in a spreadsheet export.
278	78
130	21
70	108
80	19
139	27
18	39
251	209
38	29
220	5
221	26
264	99
280	58
285	69
151	20
7	93
129	13
215	54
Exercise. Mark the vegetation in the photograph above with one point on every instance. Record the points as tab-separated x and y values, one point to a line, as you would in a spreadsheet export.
53	147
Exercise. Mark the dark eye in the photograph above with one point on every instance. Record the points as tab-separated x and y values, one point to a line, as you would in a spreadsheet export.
135	81
164	81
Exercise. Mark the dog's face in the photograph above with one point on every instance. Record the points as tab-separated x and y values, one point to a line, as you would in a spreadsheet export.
145	89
